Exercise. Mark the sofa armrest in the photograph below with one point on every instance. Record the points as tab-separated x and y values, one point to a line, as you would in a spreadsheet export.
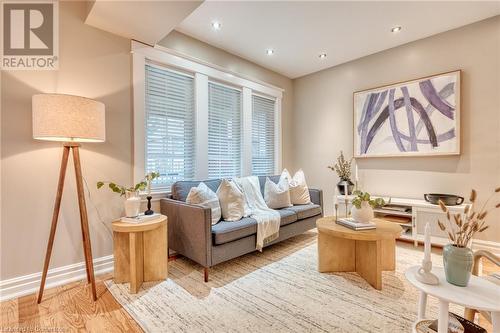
317	197
189	230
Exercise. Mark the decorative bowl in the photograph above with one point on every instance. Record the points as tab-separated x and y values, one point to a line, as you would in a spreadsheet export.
447	199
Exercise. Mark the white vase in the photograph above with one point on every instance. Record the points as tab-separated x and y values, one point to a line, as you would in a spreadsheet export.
363	214
132	204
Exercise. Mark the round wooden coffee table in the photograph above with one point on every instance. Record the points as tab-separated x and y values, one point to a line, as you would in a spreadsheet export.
367	252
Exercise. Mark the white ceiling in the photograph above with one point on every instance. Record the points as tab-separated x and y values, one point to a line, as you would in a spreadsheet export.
145	21
300	31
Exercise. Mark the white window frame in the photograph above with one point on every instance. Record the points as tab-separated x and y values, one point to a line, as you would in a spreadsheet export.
203	73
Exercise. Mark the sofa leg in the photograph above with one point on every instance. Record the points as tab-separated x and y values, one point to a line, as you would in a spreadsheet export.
205	273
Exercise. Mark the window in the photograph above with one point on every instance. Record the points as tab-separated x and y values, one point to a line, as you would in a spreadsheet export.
224	131
194	120
263	138
170	130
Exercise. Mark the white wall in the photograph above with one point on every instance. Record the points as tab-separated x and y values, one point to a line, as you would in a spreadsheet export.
323	121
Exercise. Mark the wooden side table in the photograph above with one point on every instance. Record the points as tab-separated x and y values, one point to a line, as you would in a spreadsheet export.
367	252
140	252
480	294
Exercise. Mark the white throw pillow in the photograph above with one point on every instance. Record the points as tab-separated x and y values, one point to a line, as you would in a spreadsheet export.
299	192
277	195
205	197
232	201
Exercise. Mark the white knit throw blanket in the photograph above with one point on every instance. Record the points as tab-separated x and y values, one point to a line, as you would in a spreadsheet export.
268	220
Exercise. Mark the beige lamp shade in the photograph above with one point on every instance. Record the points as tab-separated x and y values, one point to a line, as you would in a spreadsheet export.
58	117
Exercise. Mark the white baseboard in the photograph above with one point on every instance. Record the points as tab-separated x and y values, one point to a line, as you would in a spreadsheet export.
493	247
29	284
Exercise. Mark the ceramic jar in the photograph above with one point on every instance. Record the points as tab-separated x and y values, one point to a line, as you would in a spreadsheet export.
363	214
458	263
132	204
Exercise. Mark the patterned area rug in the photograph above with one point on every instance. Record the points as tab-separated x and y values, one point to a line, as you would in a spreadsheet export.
278	290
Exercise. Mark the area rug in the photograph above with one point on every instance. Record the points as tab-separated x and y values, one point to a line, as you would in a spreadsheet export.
279	290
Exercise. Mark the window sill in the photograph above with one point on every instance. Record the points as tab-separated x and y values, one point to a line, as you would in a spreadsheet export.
157	195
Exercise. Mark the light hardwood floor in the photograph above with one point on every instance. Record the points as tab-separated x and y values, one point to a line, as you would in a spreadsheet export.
69	308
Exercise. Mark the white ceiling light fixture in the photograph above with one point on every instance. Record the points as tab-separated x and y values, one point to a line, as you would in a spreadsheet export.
269	52
396	29
322	55
216	25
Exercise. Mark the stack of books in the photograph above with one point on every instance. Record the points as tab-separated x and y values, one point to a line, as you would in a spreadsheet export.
141	218
350	223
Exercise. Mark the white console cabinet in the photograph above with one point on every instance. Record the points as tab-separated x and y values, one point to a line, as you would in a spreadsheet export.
412	215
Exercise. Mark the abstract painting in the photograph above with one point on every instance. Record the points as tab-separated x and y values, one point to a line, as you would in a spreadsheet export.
414	118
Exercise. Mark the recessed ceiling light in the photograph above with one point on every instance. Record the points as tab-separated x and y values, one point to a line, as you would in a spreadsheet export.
269	51
396	29
322	56
216	25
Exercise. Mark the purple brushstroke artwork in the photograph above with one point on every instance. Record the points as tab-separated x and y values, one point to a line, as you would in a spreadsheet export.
414	118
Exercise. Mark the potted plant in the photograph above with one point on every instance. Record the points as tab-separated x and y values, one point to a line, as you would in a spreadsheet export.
362	206
457	255
343	170
132	201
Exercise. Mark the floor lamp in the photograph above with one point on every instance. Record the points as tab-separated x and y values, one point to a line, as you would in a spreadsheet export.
71	120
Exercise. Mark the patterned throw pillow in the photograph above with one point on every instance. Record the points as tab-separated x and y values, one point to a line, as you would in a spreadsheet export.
277	195
232	201
299	192
205	197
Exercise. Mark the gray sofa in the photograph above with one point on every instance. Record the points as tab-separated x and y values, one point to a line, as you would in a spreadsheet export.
191	234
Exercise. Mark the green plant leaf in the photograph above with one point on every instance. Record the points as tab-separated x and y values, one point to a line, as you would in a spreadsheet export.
100	184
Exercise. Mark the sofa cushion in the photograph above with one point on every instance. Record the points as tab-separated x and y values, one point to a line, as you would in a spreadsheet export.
305	211
181	189
225	231
287	216
262	182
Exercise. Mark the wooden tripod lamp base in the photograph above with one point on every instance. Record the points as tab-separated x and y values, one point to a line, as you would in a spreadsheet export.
87	249
58	117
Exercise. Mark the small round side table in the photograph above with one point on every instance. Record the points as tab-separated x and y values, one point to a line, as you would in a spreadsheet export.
140	252
480	294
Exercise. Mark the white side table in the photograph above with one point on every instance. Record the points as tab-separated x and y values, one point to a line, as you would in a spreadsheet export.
480	294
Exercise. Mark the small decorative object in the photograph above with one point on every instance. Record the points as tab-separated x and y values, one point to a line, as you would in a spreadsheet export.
343	170
414	118
457	256
149	179
362	206
335	203
424	274
132	201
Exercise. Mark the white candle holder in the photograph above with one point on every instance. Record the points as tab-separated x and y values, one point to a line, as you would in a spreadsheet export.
425	275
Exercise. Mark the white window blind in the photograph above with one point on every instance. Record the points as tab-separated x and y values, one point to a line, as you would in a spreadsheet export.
170	125
263	129
224	131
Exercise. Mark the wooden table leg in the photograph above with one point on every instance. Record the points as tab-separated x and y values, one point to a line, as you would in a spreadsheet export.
422	305
136	261
369	262
443	316
335	254
388	254
155	254
495	321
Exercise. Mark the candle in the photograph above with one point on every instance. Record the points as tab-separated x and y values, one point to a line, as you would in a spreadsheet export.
356	178
427	242
149	188
345	199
